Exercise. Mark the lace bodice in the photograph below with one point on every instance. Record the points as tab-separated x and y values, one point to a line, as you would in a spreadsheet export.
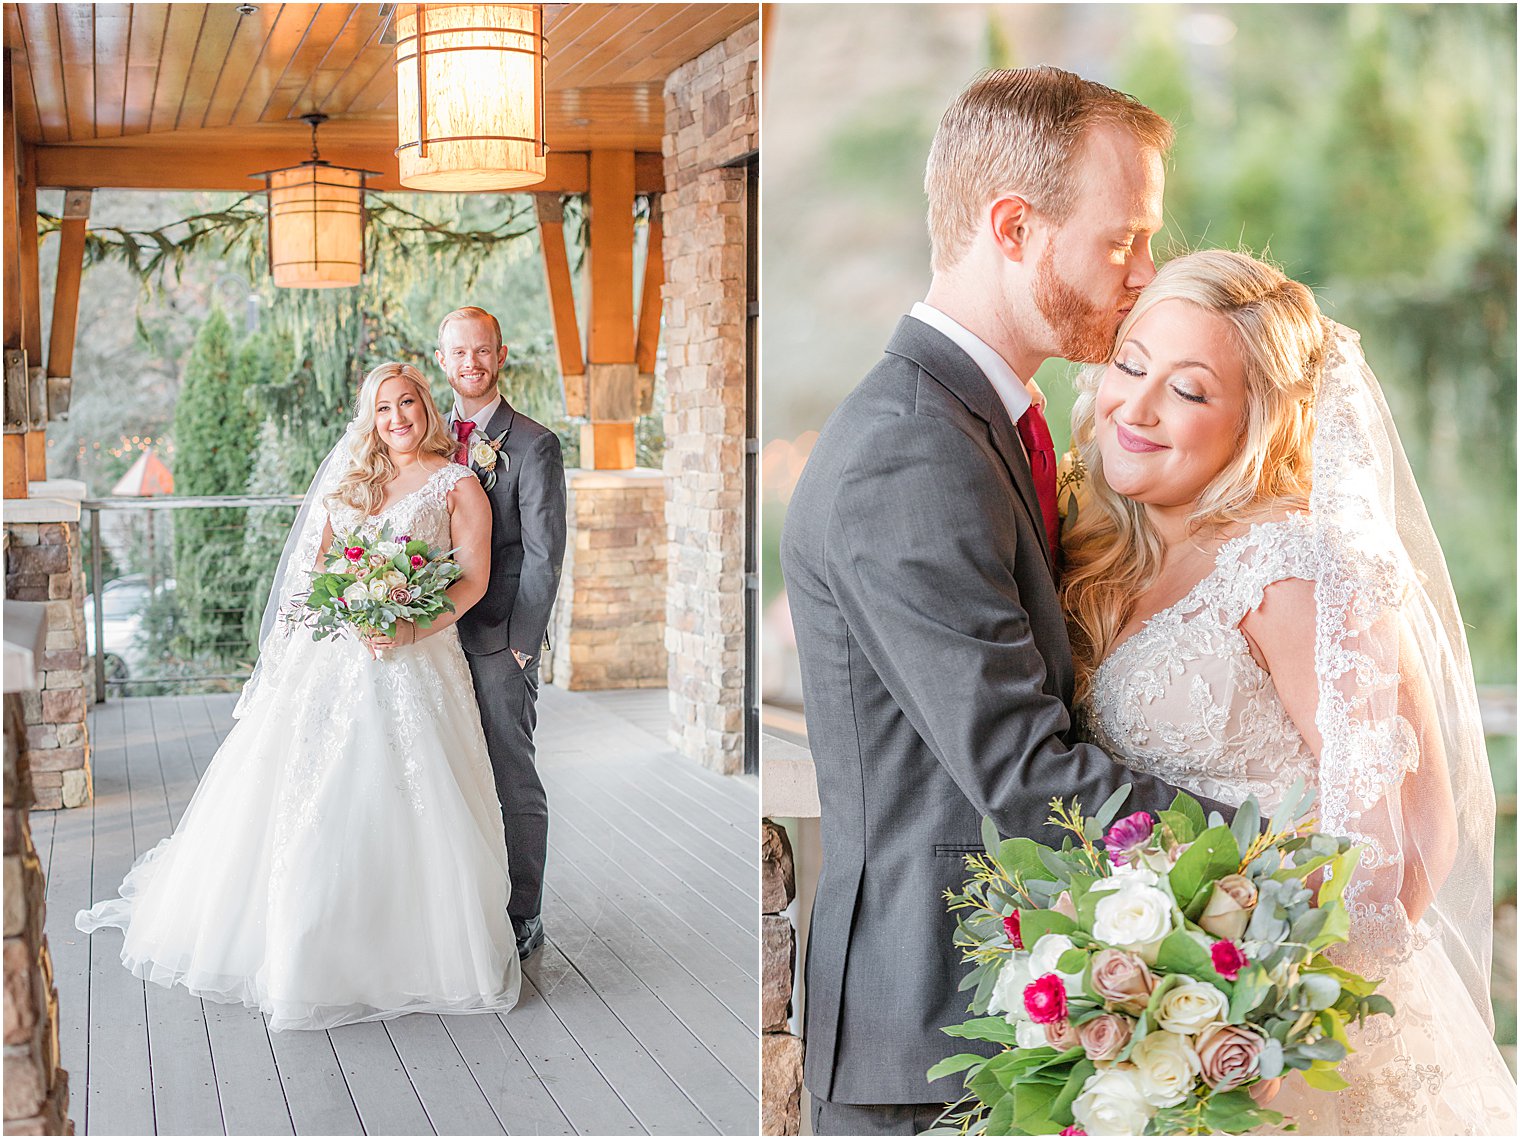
422	513
1184	700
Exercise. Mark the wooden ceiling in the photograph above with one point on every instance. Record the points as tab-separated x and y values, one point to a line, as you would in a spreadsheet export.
196	96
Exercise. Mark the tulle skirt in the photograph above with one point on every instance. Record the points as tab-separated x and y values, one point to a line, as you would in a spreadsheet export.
343	858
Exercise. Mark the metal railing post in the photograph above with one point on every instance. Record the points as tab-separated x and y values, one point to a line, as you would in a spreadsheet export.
99	606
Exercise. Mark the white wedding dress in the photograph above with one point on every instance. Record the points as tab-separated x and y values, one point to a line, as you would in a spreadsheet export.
342	858
1183	699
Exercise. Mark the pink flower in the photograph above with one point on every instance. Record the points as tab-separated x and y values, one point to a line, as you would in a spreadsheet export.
401	595
418	561
341	602
1228	958
1045	999
353	553
1062	1035
1105	1035
402	538
1128	835
1011	924
1072	1130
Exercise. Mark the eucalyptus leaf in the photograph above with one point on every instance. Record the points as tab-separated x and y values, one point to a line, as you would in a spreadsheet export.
1110	808
1246	826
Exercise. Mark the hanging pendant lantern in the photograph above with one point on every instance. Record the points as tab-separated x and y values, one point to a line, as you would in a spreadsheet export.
316	222
470	96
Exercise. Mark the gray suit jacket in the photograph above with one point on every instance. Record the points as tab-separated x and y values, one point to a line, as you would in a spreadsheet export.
527	539
936	675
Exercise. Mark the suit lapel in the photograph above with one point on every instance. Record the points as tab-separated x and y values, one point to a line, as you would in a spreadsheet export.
958	373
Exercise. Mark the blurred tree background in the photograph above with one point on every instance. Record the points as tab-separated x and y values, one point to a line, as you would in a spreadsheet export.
1370	150
241	388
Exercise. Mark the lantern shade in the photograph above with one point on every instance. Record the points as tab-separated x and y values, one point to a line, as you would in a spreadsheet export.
469	96
316	226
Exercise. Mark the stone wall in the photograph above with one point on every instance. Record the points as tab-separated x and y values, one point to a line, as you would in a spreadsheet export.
609	620
43	564
781	1051
36	1090
711	120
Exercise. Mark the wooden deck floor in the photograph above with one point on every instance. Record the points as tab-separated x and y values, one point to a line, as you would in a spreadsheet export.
639	1016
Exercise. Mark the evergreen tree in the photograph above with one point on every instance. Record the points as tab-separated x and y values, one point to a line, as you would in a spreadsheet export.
214	433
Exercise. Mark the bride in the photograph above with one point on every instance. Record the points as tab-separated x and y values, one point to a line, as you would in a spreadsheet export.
1255	594
343	858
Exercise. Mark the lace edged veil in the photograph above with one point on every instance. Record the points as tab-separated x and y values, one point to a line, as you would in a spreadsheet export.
291	576
1403	767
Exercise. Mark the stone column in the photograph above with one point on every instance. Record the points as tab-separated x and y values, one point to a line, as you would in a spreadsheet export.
780	1050
609	621
710	122
36	1089
44	564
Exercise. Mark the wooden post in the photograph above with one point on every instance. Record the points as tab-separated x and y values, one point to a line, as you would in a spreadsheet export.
650	306
17	394
567	334
31	312
60	362
611	375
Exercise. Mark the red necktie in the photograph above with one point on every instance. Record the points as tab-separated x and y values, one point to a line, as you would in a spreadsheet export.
462	429
1035	435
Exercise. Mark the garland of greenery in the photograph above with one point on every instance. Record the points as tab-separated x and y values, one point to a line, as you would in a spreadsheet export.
391	230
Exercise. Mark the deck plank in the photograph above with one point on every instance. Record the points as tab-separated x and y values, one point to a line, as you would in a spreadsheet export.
120	1085
314	1084
377	1080
639	1016
454	1103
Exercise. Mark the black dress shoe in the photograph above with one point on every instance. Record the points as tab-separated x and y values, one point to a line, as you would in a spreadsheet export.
530	936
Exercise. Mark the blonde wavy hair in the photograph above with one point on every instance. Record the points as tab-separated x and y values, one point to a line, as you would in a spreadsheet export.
362	486
1112	551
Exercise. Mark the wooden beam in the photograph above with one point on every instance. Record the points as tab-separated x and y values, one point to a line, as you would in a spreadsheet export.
31	312
650	300
212	159
567	333
609	317
36	456
17	396
60	362
607	447
15	466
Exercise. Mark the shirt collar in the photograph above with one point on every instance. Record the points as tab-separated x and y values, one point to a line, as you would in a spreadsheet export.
481	417
1010	389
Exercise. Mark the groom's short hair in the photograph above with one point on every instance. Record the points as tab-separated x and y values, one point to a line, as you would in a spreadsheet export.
469	312
1020	132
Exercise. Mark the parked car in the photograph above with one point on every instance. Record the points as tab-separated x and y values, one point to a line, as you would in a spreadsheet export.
123	602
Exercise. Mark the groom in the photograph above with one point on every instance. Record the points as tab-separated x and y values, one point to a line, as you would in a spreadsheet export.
518	461
920	556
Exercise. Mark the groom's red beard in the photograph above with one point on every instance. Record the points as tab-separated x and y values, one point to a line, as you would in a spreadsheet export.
1084	332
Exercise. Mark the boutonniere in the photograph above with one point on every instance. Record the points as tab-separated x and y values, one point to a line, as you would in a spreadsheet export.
485	454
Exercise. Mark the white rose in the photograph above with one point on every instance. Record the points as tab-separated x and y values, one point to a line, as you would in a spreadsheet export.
1030	1035
1044	955
482	454
1125	876
389	549
378	590
356	593
392	578
1111	1103
1008	989
1167	1067
1135	917
1190	1007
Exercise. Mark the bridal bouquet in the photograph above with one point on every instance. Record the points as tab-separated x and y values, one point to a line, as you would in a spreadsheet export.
367	585
1145	975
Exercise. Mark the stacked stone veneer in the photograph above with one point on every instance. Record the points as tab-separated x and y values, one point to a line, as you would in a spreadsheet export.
36	1089
781	1051
609	620
710	121
43	564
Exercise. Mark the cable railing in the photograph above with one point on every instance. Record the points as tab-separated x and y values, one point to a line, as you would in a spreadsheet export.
177	585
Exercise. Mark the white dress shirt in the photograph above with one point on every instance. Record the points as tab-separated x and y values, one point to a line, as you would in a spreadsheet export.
1004	381
480	418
